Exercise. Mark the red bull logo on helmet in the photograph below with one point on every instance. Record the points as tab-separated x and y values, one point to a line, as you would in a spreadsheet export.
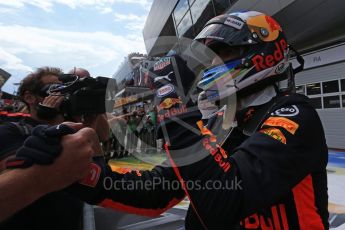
263	62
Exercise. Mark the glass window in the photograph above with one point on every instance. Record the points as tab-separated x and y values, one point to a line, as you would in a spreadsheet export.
221	6
316	102
173	18
330	86
300	89
184	25
342	85
198	8
314	89
202	11
180	10
331	102
343	98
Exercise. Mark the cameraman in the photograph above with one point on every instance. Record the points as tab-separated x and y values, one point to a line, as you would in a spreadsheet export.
99	122
44	213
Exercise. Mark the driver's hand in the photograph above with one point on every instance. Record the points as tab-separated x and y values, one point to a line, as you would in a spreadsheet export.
43	146
74	162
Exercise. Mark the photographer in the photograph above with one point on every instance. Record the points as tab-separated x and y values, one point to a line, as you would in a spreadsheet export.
43	109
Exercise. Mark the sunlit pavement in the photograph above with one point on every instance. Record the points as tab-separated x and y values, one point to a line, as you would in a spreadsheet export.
110	220
336	189
127	164
336	186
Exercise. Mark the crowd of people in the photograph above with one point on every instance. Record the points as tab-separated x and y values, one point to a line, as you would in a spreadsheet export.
133	132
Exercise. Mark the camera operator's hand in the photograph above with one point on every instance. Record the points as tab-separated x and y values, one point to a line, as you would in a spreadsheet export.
53	102
49	109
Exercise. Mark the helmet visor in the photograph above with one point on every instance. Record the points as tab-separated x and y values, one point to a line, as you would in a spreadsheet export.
213	76
225	34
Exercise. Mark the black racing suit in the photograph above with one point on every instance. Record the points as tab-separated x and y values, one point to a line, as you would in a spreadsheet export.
274	179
